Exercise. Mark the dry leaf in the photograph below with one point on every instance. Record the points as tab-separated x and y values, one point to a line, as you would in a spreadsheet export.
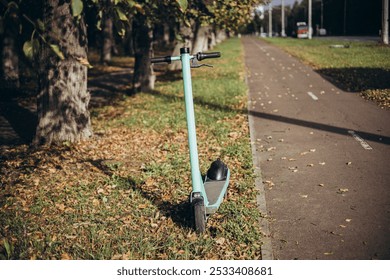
342	191
65	256
220	241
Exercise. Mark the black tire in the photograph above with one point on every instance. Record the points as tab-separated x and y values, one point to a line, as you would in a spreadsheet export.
199	215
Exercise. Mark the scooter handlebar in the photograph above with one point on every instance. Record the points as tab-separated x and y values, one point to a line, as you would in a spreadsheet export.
166	59
200	56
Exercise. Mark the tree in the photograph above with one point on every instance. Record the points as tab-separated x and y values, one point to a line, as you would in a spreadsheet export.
9	56
209	20
62	70
57	47
143	79
107	34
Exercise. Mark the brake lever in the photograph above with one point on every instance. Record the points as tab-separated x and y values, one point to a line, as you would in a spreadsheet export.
195	64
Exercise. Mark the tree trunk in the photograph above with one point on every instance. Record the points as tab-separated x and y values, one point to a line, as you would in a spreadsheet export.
63	97
213	41
201	39
144	78
9	72
127	41
221	36
166	37
187	35
107	40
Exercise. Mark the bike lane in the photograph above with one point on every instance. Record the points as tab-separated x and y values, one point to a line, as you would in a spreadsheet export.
323	156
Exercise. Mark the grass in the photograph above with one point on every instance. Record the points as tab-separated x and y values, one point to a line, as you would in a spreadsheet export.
363	67
124	194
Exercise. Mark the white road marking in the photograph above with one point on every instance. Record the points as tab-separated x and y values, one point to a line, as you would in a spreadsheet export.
312	95
360	140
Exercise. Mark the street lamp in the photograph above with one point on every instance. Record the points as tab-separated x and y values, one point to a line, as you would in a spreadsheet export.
385	22
283	28
310	22
270	20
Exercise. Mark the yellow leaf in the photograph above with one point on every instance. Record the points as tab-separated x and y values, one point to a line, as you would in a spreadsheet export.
65	256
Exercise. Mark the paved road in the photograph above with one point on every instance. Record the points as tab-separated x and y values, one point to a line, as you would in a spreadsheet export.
324	158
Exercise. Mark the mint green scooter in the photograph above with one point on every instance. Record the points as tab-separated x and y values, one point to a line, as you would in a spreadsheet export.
208	194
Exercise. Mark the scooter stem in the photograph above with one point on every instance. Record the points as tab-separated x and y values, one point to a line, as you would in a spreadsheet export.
197	183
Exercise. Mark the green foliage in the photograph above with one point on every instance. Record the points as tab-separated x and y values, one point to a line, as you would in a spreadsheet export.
57	51
77	7
183	4
223	14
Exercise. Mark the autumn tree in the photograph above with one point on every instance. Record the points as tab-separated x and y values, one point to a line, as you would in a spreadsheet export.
62	70
206	22
9	37
152	13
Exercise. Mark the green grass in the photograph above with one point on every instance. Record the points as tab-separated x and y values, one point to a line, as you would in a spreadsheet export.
124	194
362	67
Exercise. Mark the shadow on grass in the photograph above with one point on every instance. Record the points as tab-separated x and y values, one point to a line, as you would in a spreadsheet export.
180	213
17	122
357	79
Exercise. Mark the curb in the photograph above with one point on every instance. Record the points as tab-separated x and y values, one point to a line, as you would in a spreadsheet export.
266	247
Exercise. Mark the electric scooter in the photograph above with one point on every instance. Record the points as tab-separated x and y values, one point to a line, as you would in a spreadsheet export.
206	195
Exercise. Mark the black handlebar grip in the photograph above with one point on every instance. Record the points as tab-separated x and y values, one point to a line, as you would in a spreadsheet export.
166	59
200	56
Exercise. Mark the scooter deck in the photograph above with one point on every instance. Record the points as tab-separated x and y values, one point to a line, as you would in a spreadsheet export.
215	191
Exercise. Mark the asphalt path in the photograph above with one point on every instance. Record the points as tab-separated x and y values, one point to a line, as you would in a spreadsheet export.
323	159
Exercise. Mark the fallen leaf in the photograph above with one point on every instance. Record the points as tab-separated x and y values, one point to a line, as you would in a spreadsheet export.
60	206
65	256
341	191
220	241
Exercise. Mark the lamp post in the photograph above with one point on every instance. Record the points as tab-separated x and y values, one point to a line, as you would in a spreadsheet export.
385	22
310	19
283	27
270	20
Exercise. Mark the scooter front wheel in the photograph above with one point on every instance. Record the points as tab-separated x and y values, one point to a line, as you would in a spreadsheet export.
199	215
